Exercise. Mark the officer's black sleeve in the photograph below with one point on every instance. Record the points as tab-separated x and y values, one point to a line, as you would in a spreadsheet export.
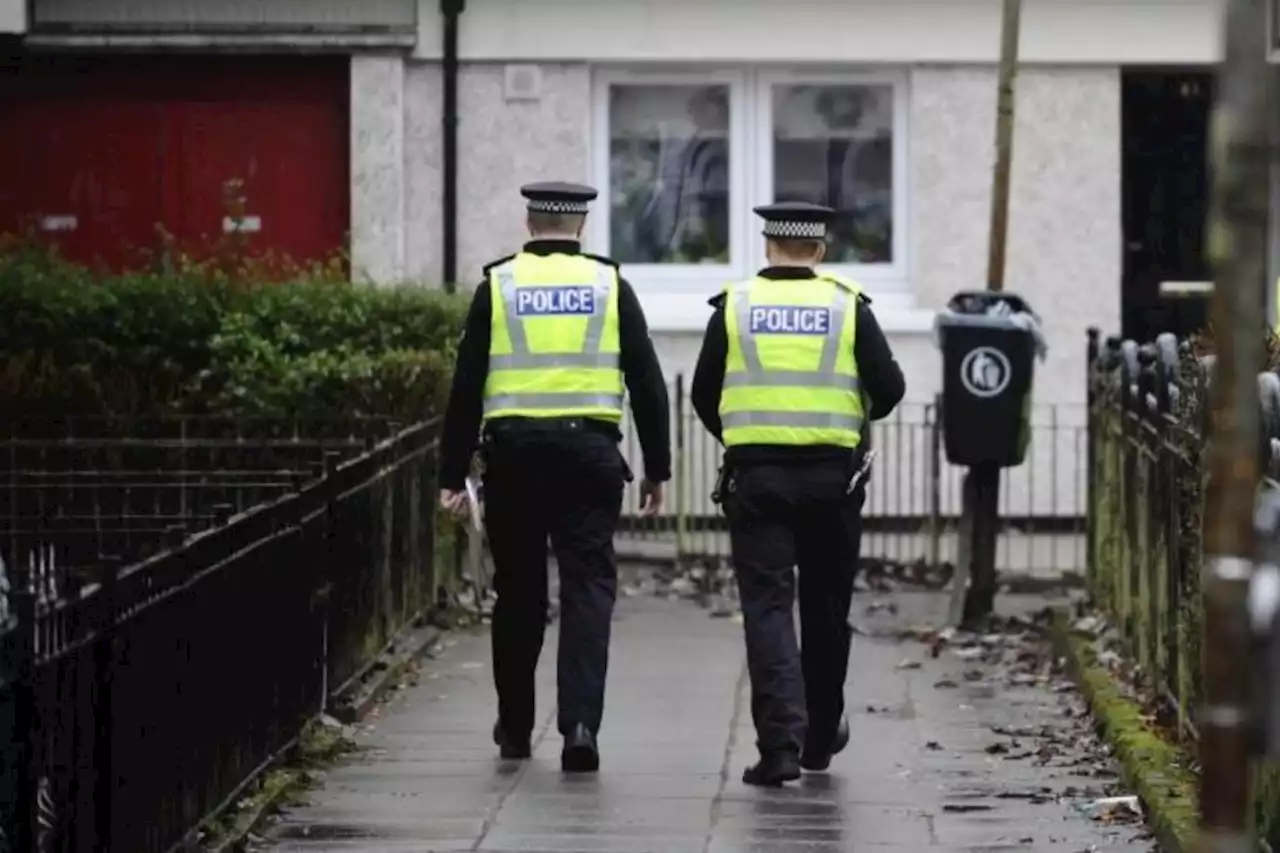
882	379
466	398
650	406
708	376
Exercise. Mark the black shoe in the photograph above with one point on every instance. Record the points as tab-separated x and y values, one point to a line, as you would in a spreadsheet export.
509	749
773	768
580	753
841	740
818	760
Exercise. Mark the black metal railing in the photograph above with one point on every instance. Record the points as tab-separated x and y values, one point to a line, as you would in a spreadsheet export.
913	509
1147	411
98	485
142	695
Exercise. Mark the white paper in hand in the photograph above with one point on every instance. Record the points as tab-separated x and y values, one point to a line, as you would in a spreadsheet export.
473	505
476	566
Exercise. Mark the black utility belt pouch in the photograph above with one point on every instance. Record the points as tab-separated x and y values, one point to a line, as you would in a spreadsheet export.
724	485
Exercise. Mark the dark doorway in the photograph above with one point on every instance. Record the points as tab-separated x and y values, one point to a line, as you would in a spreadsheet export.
1165	195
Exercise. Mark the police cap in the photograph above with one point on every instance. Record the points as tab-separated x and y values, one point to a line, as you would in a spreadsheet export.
795	220
558	197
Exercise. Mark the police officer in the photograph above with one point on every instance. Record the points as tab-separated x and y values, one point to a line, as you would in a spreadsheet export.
552	337
792	368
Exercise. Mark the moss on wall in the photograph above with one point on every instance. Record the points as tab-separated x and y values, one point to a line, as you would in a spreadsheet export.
1155	769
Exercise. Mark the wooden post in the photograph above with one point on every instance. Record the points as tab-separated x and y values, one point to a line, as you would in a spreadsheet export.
1010	25
1237	241
981	495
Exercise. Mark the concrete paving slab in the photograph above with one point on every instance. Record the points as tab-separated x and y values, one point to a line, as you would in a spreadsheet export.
946	755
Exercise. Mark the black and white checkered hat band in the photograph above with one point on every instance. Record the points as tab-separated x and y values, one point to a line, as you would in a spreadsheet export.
558	206
795	230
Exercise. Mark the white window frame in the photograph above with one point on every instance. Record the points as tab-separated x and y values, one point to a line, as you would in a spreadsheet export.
879	279
672	293
674	278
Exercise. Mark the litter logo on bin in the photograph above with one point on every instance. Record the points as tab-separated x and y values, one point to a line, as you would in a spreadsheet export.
985	372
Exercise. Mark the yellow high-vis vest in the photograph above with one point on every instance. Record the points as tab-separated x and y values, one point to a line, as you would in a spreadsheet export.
790	376
554	341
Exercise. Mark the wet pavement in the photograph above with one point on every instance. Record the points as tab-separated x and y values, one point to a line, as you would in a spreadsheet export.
949	753
1043	556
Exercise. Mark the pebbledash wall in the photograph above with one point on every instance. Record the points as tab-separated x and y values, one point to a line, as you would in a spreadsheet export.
1065	234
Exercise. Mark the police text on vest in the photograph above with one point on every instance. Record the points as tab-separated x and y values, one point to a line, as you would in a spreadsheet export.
558	300
790	320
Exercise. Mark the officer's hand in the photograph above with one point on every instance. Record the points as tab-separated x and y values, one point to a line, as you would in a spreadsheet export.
454	502
650	498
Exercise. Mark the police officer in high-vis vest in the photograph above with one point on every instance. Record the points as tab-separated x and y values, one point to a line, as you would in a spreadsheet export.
553	338
792	369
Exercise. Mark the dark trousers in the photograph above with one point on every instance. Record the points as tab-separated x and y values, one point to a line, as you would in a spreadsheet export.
567	489
782	517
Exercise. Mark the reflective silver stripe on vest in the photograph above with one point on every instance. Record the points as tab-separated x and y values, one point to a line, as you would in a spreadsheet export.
800	420
522	359
755	376
547	360
553	400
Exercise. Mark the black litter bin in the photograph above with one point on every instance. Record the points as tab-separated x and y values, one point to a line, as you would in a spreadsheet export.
988	362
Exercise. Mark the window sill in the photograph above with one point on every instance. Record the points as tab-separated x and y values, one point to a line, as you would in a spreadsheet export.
688	312
905	321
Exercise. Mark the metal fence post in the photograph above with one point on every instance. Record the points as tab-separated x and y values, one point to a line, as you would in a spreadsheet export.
26	714
324	593
1091	467
933	417
1110	435
104	728
428	481
680	498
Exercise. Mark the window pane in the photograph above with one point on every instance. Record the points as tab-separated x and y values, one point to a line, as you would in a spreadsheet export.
833	145
669	174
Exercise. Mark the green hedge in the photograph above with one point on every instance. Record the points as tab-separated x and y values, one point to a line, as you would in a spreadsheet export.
200	339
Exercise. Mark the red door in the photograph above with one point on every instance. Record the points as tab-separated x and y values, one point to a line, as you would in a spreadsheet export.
104	155
273	173
85	177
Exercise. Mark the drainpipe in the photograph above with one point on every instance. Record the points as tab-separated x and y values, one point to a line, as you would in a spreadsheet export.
450	11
